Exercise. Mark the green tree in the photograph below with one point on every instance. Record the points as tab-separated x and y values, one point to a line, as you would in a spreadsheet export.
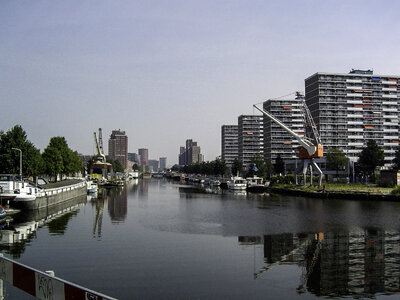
53	161
32	162
71	162
175	168
117	165
336	160
237	167
279	166
219	167
371	157
264	167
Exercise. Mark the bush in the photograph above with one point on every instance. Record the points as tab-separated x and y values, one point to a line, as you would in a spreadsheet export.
287	179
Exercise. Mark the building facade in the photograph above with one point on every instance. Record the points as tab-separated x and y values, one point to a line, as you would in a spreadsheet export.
118	147
191	154
153	165
250	138
182	156
351	109
143	156
277	141
229	144
163	163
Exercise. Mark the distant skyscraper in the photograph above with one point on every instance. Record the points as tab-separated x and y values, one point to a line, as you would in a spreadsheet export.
133	157
118	147
250	137
191	153
163	163
153	164
229	144
144	156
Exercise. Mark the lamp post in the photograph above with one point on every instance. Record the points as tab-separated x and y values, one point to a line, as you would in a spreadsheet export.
20	161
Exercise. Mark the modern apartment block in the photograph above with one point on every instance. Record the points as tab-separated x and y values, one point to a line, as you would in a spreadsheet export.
118	147
350	109
250	138
229	144
277	141
143	156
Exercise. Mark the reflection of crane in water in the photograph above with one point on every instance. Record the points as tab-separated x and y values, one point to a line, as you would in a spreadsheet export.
308	269
99	217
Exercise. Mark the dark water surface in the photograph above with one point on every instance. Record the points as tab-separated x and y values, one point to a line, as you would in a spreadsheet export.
158	240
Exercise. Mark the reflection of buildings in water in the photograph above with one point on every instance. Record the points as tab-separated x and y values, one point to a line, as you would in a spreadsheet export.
143	188
363	262
24	225
118	205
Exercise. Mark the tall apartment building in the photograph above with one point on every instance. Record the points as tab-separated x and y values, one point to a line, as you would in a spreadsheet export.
250	138
118	147
182	156
350	109
143	156
229	144
277	141
163	163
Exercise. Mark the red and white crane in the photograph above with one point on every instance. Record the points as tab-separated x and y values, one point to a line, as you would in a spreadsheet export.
310	147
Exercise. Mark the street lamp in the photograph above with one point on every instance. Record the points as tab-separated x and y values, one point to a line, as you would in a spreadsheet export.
20	161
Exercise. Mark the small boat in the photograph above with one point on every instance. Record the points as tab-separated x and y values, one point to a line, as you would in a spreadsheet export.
255	184
91	187
146	175
237	183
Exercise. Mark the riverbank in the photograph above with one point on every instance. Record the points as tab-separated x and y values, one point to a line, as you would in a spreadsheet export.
338	191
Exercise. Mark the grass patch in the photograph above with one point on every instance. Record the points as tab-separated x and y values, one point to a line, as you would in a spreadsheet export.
340	188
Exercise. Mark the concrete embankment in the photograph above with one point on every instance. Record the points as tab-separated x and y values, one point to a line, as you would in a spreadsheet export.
350	195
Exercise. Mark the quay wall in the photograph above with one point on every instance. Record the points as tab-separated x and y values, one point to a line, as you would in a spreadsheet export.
337	195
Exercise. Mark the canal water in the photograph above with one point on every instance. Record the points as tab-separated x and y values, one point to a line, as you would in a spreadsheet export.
155	239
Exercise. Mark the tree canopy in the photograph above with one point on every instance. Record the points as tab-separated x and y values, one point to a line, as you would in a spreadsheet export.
237	167
215	167
260	167
336	159
60	159
32	162
116	165
279	166
371	157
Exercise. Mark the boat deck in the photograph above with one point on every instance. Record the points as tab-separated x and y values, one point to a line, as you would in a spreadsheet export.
62	183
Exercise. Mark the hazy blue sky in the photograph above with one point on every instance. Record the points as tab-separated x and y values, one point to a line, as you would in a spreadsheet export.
166	71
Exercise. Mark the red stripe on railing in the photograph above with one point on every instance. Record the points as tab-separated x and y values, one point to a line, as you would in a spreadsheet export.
24	279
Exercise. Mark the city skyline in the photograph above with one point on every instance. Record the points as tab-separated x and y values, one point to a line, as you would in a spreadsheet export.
164	71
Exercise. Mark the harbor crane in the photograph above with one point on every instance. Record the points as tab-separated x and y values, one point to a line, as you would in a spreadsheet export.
100	156
309	148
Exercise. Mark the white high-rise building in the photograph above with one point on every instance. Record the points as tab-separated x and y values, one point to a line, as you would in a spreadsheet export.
350	109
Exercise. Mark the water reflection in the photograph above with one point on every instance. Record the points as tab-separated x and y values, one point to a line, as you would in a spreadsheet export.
15	233
358	263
